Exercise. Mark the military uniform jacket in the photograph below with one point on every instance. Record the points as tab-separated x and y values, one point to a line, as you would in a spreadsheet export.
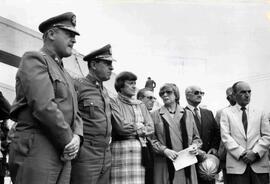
94	106
46	99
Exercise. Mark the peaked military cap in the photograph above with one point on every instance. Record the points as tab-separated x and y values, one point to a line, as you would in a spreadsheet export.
104	54
65	21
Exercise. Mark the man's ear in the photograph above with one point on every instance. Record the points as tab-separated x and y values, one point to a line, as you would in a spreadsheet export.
51	34
93	65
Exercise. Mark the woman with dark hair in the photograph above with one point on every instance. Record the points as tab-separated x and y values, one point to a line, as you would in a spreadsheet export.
132	124
175	130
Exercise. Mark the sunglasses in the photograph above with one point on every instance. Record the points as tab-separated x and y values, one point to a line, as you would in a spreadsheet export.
161	93
150	98
198	93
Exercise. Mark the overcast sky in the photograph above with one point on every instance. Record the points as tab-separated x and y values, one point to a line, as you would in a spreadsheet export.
207	43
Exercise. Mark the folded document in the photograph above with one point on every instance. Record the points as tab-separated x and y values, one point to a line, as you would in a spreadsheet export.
184	159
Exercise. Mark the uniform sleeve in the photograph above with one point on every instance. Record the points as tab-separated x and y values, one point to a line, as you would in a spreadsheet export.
40	96
231	145
120	125
77	126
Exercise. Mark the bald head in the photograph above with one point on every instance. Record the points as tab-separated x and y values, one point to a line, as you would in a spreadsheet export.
242	93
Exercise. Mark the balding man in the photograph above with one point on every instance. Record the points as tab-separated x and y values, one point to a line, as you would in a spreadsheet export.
206	124
245	132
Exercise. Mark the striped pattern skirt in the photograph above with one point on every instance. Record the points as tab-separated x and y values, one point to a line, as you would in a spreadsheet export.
127	163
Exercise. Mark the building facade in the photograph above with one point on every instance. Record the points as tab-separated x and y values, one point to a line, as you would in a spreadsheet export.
15	41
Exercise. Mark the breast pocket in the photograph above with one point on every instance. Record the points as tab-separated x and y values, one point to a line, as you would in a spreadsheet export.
60	86
92	107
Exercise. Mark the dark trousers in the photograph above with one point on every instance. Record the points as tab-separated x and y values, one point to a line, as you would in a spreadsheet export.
201	181
92	166
248	177
34	160
225	176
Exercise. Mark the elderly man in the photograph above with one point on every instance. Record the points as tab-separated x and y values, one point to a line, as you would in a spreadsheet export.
222	151
94	160
49	130
206	124
245	132
147	97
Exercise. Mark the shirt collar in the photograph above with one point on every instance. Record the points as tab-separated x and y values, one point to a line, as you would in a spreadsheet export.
192	107
239	107
53	56
94	80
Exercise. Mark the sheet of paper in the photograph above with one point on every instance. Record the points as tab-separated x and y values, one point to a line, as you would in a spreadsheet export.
184	159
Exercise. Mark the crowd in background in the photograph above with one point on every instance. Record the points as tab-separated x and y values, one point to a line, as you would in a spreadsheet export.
71	131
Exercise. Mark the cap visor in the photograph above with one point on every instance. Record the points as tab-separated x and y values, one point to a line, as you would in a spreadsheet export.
71	29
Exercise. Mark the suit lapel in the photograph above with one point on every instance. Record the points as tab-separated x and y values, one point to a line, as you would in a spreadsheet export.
204	120
172	125
251	116
238	120
198	124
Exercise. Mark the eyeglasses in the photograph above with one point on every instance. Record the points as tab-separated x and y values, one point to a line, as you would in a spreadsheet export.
150	98
198	93
161	93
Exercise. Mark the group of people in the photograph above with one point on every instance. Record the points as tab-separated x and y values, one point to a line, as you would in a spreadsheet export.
71	131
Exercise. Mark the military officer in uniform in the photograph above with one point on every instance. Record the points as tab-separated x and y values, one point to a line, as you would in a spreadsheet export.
92	166
49	131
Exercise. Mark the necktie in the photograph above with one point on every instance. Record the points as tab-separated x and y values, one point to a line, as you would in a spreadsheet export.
197	119
244	118
196	110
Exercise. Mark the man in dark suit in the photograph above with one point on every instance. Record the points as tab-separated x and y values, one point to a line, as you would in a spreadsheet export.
206	124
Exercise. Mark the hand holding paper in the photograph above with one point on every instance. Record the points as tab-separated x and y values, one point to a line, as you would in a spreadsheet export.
171	154
186	158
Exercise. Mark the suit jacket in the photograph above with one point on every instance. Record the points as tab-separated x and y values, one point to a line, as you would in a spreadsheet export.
236	141
159	143
209	131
